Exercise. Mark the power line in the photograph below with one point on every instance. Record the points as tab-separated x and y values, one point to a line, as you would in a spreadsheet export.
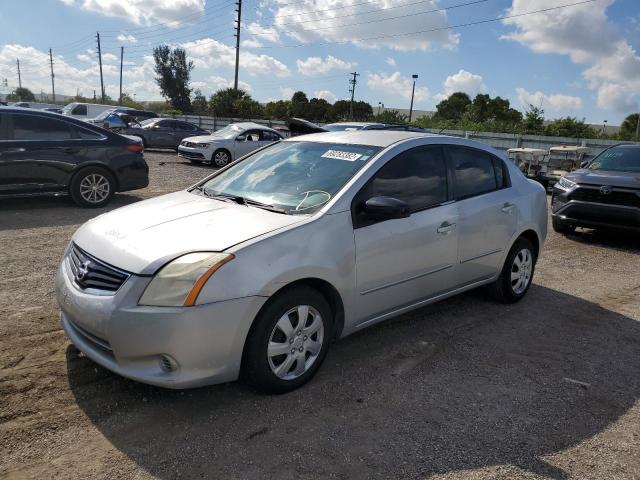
405	34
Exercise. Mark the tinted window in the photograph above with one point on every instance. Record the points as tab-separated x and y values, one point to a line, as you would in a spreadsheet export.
85	134
268	136
417	176
502	176
186	126
34	127
473	172
166	124
79	110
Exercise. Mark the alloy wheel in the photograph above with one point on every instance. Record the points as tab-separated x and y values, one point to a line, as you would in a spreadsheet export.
521	270
94	188
221	159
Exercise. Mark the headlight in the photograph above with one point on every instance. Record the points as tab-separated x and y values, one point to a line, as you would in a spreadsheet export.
179	282
203	145
566	184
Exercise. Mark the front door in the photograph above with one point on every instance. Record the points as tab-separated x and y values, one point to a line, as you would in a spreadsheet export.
246	143
488	218
401	261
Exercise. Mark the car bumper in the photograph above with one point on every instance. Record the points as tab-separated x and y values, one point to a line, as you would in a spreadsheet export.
593	214
198	154
201	345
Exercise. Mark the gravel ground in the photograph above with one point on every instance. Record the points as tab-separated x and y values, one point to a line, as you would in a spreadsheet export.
463	389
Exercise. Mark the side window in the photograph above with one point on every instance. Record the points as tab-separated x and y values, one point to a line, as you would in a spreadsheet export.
166	124
186	126
85	134
417	176
268	136
35	127
79	110
252	136
473	172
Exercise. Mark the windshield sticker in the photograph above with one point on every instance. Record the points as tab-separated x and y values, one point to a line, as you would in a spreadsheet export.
338	155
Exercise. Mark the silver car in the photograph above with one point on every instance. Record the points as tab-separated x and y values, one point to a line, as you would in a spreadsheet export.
227	144
257	268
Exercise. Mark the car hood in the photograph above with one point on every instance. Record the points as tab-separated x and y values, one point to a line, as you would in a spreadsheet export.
604	177
142	237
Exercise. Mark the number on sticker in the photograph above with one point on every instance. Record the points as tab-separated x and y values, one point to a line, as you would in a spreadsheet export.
338	155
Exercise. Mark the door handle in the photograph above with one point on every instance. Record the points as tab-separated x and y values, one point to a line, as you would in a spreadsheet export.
446	228
508	207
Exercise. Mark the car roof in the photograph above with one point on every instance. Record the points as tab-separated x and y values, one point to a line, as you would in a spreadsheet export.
356	124
250	125
376	138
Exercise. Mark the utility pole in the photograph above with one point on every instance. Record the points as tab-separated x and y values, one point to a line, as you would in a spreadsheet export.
638	128
121	58
53	85
353	81
100	62
19	77
237	35
413	91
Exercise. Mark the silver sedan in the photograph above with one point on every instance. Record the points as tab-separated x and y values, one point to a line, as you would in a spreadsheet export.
257	268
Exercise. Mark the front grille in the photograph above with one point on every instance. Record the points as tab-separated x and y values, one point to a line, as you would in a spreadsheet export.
616	197
90	273
193	155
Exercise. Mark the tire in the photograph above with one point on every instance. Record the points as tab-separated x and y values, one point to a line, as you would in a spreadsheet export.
82	191
272	372
221	158
561	226
508	287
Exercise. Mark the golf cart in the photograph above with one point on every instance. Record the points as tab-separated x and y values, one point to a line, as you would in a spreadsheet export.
562	160
530	161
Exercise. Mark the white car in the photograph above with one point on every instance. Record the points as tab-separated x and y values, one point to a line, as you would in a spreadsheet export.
228	144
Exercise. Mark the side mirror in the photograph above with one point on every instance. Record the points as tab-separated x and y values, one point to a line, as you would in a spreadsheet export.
584	164
386	208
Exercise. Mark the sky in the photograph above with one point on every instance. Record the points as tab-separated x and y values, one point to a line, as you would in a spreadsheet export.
571	58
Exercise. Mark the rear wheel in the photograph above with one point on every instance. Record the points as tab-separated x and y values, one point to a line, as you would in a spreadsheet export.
92	187
288	341
517	273
560	226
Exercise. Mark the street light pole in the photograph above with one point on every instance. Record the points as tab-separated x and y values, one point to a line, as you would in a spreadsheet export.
413	91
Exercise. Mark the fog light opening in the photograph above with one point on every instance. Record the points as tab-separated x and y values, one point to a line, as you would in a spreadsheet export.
167	363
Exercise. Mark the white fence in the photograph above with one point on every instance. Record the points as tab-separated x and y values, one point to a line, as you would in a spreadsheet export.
214	123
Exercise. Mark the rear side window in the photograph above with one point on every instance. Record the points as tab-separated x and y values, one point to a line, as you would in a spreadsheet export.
268	136
85	134
474	173
35	127
186	126
166	124
79	110
417	176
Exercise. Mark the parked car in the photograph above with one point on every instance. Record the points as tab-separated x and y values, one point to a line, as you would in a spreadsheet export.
605	193
265	262
53	110
163	132
46	153
85	111
349	126
111	119
299	126
227	144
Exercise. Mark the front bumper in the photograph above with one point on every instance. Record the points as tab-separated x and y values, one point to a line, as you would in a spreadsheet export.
204	343
593	214
195	153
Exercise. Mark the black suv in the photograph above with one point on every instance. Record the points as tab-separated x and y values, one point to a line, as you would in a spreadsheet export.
604	193
47	153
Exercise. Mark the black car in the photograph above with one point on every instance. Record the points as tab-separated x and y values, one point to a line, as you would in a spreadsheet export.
46	153
604	193
163	132
111	119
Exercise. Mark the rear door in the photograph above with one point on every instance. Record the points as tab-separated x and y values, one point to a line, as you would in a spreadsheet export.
401	261
161	133
184	130
488	218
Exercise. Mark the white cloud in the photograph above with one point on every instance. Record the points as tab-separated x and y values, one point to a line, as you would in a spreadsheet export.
287	93
126	38
266	33
553	102
326	94
109	57
251	43
318	66
586	35
397	85
351	21
207	53
462	81
171	12
83	57
391	61
218	83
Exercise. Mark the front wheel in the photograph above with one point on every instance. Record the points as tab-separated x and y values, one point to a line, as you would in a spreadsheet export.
92	187
288	341
517	273
221	158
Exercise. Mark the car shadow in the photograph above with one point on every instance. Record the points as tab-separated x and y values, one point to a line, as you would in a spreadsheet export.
624	241
462	384
47	211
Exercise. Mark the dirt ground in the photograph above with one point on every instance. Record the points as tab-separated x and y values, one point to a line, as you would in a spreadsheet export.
463	389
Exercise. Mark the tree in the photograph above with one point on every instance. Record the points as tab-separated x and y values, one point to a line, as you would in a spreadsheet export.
533	120
173	72
454	107
21	94
362	111
277	110
230	102
628	129
127	101
391	116
199	103
570	127
319	110
299	105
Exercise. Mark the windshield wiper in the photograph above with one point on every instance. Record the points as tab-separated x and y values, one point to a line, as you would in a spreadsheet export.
225	197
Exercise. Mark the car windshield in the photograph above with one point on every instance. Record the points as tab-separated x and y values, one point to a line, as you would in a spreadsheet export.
227	133
341	127
296	177
617	159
